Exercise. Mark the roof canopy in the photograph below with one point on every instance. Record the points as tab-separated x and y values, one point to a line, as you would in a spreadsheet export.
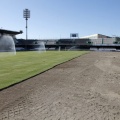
3	31
96	36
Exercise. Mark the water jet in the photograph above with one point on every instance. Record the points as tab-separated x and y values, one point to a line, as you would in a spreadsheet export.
7	44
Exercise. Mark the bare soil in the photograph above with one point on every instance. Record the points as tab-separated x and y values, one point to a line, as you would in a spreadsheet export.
85	88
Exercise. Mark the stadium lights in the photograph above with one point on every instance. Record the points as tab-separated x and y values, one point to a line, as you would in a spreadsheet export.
26	15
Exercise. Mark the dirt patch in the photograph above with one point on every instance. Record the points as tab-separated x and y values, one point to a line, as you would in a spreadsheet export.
85	88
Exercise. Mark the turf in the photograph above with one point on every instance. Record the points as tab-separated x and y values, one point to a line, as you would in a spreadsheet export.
23	65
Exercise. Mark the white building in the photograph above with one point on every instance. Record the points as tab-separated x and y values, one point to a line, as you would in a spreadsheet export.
96	36
98	39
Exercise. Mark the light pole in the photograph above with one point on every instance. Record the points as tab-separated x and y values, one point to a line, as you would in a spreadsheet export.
26	15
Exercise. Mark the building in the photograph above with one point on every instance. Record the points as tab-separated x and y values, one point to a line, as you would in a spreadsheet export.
96	36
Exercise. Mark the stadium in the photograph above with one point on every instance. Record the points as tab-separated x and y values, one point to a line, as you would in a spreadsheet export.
91	42
59	84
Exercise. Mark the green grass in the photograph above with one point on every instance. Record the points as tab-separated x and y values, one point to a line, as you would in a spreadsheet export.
23	65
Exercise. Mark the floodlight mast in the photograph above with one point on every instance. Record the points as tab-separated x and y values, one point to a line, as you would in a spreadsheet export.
26	15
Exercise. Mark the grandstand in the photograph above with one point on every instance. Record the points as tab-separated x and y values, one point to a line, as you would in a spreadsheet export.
106	41
92	42
98	39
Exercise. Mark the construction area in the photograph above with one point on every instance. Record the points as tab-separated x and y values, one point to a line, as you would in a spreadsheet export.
85	88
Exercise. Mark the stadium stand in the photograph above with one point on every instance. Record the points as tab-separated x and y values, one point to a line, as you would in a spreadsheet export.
107	41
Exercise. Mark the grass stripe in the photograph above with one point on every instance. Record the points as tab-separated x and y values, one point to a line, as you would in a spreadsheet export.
23	65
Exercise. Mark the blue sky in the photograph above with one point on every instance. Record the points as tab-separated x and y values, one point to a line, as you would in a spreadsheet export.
58	18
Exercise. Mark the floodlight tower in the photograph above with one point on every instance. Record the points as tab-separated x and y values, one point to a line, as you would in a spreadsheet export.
26	15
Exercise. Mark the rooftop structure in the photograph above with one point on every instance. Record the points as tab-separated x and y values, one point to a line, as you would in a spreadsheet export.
9	32
96	36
